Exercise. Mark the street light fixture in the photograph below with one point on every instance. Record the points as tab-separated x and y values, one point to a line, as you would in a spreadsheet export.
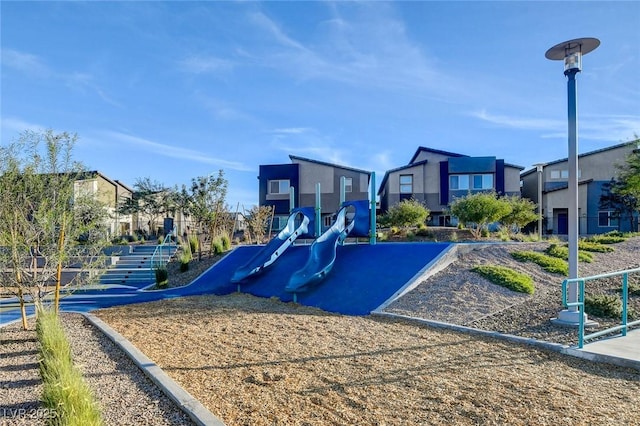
571	53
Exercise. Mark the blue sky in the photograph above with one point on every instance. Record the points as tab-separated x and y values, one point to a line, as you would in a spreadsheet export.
175	90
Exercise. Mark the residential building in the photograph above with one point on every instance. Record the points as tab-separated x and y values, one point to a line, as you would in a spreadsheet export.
436	178
110	193
303	175
595	170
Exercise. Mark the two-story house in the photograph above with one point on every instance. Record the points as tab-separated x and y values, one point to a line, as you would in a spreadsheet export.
436	178
595	170
110	193
303	175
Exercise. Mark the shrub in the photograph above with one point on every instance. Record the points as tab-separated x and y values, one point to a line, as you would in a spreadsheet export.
185	257
423	231
562	252
65	392
603	306
606	239
453	237
226	242
162	277
406	213
548	263
506	277
216	246
382	236
193	243
632	289
593	246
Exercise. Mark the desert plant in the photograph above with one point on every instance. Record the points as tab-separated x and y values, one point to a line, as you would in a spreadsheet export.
594	246
216	246
506	277
185	257
562	252
603	306
226	242
382	236
162	276
65	392
606	239
548	263
478	210
193	243
453	237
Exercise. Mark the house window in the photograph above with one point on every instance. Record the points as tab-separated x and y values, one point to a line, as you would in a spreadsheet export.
327	221
348	184
406	184
279	186
279	222
563	174
607	219
483	181
457	182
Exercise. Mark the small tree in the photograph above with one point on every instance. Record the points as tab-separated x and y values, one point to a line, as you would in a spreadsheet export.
522	213
627	187
147	201
258	221
477	211
406	213
43	216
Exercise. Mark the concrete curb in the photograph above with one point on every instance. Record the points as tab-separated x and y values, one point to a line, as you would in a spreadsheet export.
187	403
555	347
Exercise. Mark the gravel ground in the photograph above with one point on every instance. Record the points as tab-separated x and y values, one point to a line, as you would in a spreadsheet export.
125	395
20	383
459	296
330	369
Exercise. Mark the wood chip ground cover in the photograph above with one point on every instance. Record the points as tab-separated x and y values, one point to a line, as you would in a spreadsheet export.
255	361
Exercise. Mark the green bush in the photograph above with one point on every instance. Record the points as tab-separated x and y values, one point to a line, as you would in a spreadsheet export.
185	257
226	242
606	239
162	277
632	289
406	213
216	246
453	237
382	236
548	263
193	243
65	392
594	247
562	252
423	231
603	306
506	277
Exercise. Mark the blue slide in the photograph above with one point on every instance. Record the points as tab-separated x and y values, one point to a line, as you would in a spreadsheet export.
323	254
274	249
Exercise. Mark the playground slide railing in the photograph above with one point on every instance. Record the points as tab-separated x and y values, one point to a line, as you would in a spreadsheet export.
159	258
625	324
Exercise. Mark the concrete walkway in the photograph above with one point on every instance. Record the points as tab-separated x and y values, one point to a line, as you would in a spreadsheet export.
624	350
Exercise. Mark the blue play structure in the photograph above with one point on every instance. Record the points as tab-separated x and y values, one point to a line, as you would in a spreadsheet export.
298	224
323	250
352	279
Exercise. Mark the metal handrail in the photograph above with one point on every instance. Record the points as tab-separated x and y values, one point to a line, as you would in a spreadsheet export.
623	327
159	251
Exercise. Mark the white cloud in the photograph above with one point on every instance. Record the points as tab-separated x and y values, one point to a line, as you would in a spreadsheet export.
175	152
13	125
205	64
24	62
370	48
524	123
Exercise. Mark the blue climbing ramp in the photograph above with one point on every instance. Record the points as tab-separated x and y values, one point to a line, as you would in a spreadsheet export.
363	277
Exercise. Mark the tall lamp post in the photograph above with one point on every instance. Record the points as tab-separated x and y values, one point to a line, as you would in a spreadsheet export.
540	170
571	53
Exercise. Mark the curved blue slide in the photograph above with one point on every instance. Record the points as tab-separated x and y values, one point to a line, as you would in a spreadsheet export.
323	254
274	249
